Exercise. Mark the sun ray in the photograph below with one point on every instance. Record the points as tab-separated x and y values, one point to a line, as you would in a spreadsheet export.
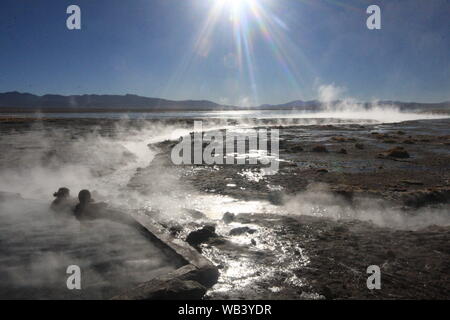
251	21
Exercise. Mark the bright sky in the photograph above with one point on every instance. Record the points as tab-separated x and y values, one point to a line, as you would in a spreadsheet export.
243	52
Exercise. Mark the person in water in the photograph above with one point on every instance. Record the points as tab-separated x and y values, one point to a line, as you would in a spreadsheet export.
63	202
88	209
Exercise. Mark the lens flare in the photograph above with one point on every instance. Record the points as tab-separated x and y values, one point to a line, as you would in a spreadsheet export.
254	26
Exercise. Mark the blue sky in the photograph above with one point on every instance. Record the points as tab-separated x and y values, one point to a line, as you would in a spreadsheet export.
229	51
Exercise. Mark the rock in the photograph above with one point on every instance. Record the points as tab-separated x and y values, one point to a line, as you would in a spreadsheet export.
320	148
342	139
288	164
412	182
210	227
345	193
197	237
207	276
359	146
327	293
180	290
339	139
275	197
342	151
228	217
174	289
397	152
340	229
175	230
295	149
217	241
241	230
421	198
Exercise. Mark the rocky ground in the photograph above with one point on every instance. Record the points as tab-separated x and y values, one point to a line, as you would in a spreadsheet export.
406	162
346	196
294	253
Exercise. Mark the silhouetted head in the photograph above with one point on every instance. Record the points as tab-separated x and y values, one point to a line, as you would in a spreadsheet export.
84	196
62	193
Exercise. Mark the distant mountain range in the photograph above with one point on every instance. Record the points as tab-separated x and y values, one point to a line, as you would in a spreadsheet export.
26	102
94	102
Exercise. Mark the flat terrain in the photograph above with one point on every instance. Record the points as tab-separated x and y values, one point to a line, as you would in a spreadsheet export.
346	196
342	200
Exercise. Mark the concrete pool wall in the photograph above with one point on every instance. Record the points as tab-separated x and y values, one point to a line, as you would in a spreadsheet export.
189	281
36	270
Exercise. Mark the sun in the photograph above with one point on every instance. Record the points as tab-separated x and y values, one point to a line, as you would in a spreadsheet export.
233	2
236	3
236	10
235	6
254	25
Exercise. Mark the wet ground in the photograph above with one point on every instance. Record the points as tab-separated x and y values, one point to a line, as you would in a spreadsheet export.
327	215
308	232
355	159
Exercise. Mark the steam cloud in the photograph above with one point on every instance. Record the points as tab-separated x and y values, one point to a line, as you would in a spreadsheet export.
36	162
319	201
